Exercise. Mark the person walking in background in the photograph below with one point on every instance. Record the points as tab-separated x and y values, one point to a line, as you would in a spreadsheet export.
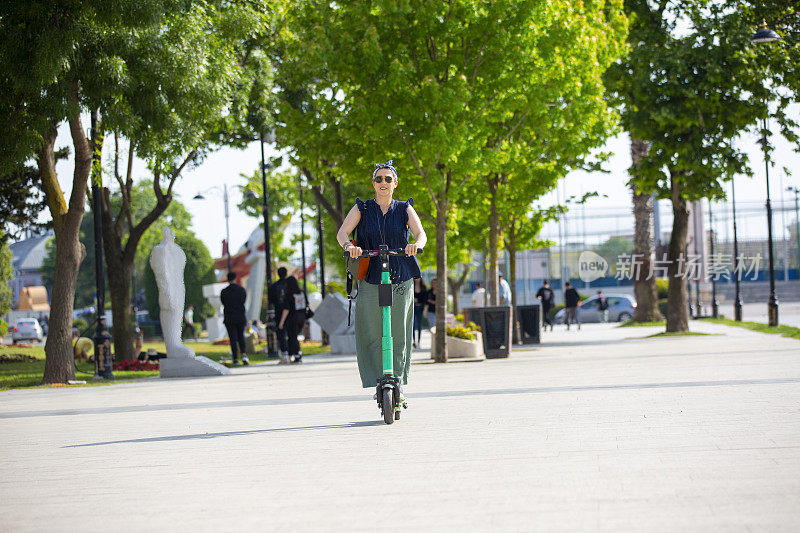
546	296
479	296
431	303
292	319
277	293
505	292
602	306
188	321
420	299
571	300
233	297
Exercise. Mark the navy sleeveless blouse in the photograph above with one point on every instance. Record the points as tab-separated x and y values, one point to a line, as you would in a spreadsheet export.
375	229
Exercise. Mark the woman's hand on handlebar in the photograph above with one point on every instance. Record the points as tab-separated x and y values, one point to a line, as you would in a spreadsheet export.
412	249
354	251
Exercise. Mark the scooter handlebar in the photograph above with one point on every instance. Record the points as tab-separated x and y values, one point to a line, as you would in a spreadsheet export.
375	253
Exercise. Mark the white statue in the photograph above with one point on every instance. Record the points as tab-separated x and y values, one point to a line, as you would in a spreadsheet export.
168	262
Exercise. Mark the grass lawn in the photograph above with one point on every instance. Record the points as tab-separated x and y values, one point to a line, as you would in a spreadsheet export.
28	372
786	331
678	334
632	324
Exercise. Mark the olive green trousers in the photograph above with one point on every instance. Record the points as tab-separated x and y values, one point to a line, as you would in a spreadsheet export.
369	330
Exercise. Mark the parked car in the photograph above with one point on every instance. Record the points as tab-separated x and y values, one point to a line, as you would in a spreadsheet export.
27	329
620	309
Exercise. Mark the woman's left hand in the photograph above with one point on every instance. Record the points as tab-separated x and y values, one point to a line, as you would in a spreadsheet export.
411	249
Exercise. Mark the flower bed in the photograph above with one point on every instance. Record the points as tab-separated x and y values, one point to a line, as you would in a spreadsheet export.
17	358
462	343
136	365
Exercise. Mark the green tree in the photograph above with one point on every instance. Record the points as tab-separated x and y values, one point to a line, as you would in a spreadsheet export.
135	65
57	61
691	103
428	81
204	108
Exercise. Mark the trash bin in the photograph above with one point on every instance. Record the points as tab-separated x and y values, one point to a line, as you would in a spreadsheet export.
529	318
495	323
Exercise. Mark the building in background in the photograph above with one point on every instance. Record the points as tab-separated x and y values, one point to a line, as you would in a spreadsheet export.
27	260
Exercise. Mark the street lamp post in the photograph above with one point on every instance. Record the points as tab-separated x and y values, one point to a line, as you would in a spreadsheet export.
272	348
103	364
272	342
796	192
302	233
224	192
766	35
321	253
713	276
737	304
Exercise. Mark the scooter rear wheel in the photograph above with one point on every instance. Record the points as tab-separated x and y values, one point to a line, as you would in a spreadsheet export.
388	405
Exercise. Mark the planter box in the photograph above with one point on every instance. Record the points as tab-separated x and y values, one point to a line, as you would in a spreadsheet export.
461	348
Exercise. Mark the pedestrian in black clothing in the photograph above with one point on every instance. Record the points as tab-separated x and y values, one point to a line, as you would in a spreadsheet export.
277	293
431	304
233	297
293	317
420	299
571	300
546	296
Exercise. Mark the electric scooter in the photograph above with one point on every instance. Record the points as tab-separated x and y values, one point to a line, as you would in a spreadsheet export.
388	388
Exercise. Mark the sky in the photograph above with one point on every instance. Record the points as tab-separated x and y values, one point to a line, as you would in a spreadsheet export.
600	217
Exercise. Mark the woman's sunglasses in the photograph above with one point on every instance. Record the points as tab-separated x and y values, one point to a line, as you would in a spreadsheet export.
379	179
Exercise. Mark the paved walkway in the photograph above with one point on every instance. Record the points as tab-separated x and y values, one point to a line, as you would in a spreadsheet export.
595	430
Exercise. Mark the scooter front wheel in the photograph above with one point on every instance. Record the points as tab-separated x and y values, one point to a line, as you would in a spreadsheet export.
388	405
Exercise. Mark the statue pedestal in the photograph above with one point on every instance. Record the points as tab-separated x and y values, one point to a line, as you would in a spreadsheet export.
215	328
331	315
343	344
189	367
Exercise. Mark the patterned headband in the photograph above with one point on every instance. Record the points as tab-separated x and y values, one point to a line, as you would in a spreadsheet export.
388	165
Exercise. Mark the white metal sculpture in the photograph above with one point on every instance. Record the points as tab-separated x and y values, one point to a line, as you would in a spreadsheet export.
168	261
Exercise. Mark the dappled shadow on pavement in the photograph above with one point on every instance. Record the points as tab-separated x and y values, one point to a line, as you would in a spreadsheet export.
201	436
361	398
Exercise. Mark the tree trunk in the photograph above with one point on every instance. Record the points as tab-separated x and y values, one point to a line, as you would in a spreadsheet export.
119	268
441	273
644	285
484	268
59	366
119	284
677	316
455	286
511	247
494	237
